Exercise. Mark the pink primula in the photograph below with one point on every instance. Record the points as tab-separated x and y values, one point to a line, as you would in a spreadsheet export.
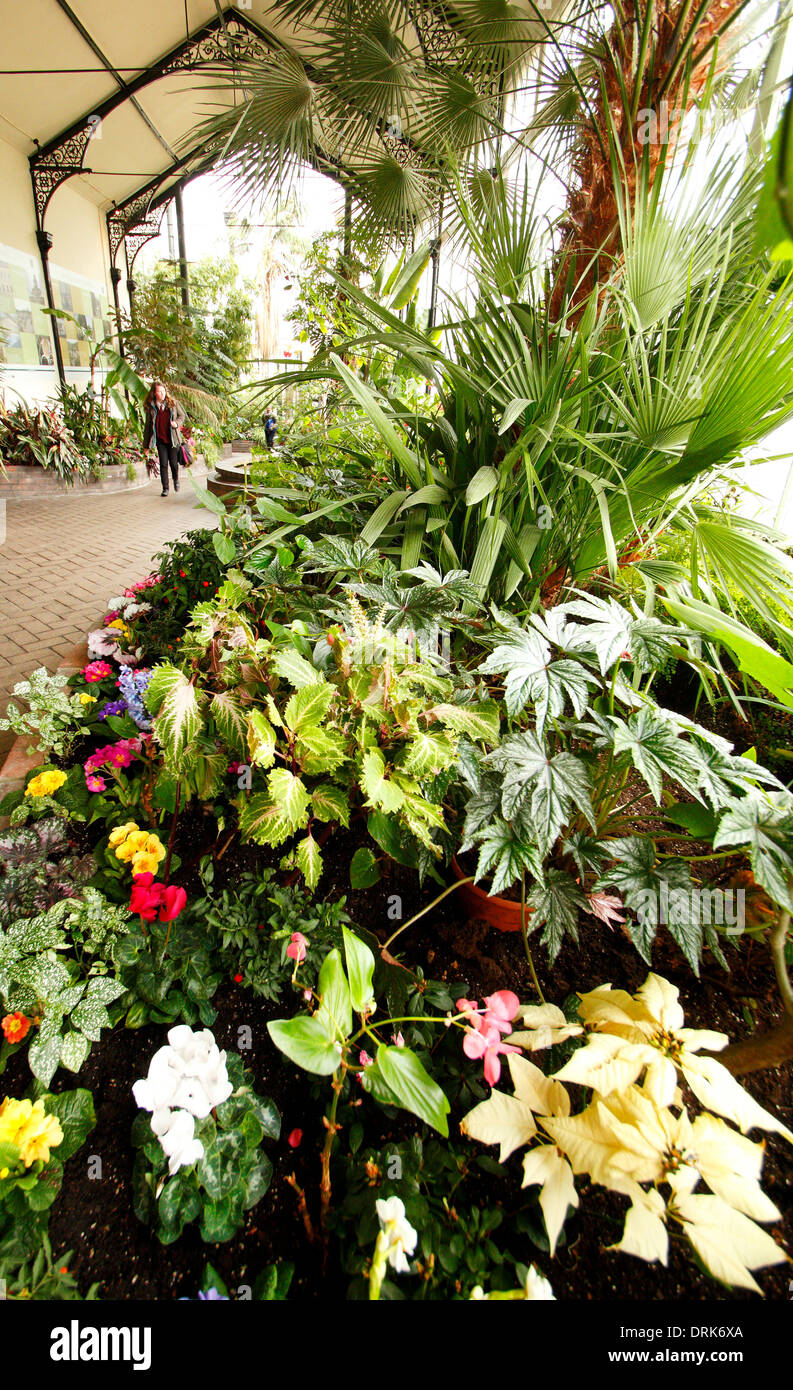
111	755
97	671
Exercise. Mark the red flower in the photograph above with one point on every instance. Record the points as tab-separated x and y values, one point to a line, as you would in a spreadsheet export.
296	950
238	979
205	583
173	900
15	1027
295	1139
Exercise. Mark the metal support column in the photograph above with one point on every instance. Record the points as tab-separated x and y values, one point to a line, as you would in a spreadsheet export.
115	276
182	248
44	240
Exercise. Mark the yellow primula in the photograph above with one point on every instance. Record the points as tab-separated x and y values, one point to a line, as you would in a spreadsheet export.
24	1124
87	699
145	864
45	784
135	842
119	835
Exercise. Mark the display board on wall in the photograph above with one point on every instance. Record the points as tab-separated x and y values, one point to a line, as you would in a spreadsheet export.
26	330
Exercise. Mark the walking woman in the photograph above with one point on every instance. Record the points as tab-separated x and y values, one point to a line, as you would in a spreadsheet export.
164	420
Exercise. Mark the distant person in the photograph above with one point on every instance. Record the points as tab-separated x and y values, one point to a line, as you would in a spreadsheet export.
163	429
270	426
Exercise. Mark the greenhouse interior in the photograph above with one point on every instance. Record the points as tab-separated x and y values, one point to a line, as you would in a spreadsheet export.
396	722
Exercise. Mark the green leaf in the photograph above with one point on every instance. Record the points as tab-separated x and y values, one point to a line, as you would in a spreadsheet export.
413	1088
309	705
484	481
207	499
378	789
481	722
360	971
272	817
387	431
225	548
364	869
294	668
178	719
230	719
309	861
539	790
764	826
699	821
330	803
305	1042
530	676
74	1050
75	1111
335	1011
506	855
555	906
260	736
655	749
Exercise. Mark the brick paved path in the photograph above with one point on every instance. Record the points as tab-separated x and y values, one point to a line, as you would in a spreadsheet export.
61	562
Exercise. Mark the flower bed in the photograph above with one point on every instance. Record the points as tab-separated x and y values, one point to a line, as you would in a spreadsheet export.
231	910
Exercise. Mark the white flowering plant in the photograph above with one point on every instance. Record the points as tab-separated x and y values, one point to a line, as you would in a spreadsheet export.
199	1135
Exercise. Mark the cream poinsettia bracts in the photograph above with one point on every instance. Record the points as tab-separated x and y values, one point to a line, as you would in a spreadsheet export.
645	1033
634	1135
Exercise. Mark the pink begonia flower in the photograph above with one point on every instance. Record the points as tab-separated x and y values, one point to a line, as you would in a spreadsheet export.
296	950
487	1044
483	1038
295	1139
501	1008
398	1040
364	1059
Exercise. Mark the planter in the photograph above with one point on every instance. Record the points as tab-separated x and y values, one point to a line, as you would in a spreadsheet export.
501	913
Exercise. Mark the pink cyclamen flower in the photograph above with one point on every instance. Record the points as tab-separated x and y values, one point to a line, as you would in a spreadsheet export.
296	950
97	670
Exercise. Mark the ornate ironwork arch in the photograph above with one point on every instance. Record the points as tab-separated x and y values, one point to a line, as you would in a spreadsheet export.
229	37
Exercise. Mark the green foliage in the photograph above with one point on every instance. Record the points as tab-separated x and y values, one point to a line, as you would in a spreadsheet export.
460	1236
227	1181
170	975
52	716
372	734
57	968
327	1041
37	436
250	925
43	1276
575	803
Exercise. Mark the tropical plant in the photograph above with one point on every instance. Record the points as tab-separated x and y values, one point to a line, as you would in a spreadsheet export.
36	436
584	802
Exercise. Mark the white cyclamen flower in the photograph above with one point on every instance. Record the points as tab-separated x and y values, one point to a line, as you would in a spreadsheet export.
400	1236
179	1143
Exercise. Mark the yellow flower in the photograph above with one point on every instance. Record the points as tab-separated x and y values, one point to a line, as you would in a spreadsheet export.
120	624
25	1125
87	699
120	833
3	1173
134	843
45	784
145	864
154	845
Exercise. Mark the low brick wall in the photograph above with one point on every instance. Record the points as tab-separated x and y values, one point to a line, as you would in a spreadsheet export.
20	482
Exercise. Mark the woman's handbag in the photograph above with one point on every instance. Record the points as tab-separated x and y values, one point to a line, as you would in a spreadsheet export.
186	454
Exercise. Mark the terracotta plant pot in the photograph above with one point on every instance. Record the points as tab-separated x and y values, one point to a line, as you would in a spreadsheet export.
501	913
